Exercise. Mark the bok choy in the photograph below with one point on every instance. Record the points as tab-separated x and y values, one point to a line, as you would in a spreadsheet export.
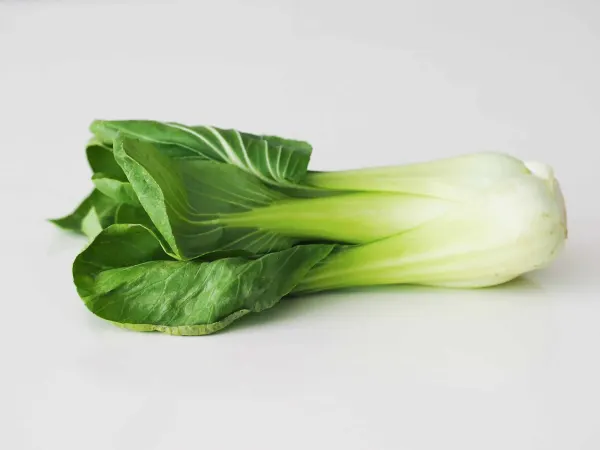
193	227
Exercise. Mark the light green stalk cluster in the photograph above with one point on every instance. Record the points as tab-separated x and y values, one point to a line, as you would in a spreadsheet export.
471	221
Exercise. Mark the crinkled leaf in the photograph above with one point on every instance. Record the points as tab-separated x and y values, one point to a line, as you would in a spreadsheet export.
272	159
124	276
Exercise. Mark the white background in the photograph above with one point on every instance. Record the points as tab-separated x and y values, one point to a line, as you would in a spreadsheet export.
367	83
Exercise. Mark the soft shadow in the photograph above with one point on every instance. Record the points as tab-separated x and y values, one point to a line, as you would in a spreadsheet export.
520	284
287	310
292	307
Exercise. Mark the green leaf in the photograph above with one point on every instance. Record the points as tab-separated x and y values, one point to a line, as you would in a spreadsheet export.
96	207
125	277
186	198
101	160
120	191
272	159
277	141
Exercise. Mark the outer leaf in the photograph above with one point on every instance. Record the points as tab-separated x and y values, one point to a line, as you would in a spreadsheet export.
186	198
125	277
275	141
272	159
103	212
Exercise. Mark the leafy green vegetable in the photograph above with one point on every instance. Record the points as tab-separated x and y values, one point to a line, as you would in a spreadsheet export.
193	227
124	276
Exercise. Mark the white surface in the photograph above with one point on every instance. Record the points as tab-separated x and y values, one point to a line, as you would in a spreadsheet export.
367	83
